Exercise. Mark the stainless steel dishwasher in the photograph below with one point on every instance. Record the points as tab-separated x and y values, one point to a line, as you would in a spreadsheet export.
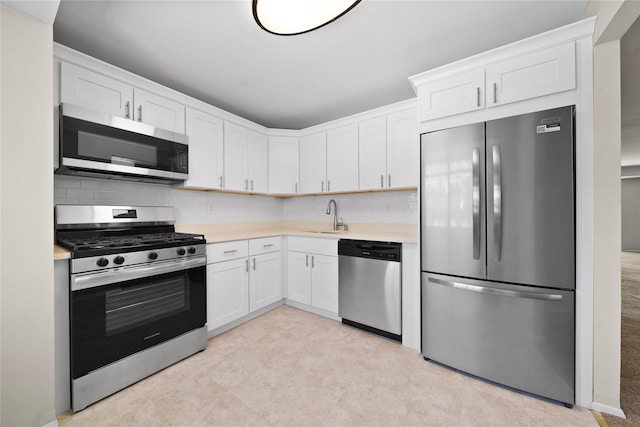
370	286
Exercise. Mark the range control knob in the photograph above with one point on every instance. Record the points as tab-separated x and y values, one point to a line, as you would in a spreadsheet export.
181	251
153	255
118	260
191	250
102	262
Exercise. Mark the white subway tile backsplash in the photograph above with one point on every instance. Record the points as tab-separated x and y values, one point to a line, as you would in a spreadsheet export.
192	207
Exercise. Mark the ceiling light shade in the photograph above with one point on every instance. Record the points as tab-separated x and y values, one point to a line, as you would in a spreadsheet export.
290	17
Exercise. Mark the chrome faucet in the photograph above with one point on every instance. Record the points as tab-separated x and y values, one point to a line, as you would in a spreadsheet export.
336	223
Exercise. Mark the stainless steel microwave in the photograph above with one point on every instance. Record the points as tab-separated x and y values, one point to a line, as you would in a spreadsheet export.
101	145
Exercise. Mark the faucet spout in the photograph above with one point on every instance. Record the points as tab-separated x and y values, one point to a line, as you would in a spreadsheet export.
335	213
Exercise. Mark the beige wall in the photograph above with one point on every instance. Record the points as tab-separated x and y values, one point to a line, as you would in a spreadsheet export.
26	197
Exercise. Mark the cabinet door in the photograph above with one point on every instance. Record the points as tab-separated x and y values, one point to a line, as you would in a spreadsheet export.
158	111
403	144
283	165
265	282
94	91
258	161
529	76
299	278
342	158
454	95
324	282
227	292
235	158
313	163
373	153
205	150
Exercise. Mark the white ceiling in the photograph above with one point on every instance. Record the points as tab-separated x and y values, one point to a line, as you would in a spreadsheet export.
214	51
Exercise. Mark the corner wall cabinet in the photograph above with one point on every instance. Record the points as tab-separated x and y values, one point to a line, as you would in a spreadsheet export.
97	92
283	165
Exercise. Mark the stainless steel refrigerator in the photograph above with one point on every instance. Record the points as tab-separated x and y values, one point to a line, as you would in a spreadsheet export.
498	251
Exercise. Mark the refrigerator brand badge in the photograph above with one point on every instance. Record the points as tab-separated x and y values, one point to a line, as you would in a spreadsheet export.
552	127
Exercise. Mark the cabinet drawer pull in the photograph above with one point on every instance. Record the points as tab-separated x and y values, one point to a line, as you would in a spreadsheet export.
307	260
231	251
267	246
296	189
389	181
221	186
313	261
246	265
322	186
495	93
251	185
254	263
246	184
381	181
126	110
478	92
140	113
328	185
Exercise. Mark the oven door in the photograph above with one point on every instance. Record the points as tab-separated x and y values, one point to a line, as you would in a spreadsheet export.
122	311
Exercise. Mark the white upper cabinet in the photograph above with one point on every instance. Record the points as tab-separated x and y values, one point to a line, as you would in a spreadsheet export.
313	163
85	88
402	149
342	158
245	159
457	94
97	92
283	165
257	162
373	153
206	161
388	151
158	111
532	75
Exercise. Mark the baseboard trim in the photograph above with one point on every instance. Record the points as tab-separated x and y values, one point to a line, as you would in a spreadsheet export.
53	423
608	410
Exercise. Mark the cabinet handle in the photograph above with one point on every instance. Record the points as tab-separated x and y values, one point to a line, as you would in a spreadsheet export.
296	189
381	181
221	186
322	186
126	110
231	252
307	260
267	246
389	181
246	184
495	93
251	185
328	185
254	263
140	113
246	265
313	263
478	92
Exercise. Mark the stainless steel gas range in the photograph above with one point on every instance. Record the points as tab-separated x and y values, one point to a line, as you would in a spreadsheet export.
137	295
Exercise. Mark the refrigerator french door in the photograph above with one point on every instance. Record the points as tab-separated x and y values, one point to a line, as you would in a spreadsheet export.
498	251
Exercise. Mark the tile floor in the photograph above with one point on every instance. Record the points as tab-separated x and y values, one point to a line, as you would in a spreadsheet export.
289	367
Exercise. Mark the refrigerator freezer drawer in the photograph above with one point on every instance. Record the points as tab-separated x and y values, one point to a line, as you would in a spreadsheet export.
519	336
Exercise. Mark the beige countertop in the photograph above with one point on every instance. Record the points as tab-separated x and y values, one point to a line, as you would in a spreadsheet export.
214	233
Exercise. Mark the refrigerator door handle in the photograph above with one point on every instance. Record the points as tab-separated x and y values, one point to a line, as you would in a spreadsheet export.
495	291
497	204
476	202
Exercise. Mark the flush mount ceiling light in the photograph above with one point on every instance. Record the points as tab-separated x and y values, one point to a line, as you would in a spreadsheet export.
291	17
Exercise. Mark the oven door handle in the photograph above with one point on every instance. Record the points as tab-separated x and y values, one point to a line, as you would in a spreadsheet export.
91	280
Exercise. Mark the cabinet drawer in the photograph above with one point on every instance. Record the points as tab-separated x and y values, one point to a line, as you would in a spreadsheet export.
224	251
264	245
321	246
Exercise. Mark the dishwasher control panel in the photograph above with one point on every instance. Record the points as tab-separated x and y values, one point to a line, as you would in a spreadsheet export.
388	251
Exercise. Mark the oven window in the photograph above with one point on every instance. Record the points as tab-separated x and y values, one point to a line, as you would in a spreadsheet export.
134	306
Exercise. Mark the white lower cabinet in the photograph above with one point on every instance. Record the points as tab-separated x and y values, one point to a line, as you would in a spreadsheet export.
242	276
227	292
265	280
313	276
